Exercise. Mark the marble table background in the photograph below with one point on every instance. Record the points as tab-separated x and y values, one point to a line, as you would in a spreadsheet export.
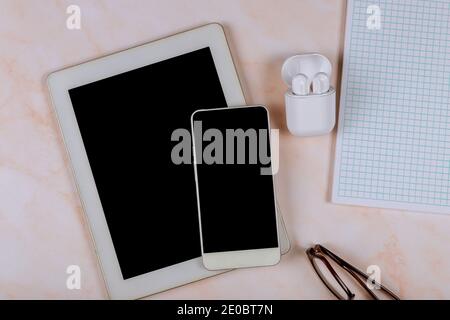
41	225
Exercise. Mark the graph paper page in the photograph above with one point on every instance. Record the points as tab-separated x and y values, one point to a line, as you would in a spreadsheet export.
393	141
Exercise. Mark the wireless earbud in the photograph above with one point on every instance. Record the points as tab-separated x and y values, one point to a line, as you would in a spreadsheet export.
300	85
310	100
320	83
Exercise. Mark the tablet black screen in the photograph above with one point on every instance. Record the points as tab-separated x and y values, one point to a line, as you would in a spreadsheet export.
126	122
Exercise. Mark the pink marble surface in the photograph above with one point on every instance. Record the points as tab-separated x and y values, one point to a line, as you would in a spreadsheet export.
41	225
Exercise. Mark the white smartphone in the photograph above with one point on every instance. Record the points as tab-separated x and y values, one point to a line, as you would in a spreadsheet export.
235	189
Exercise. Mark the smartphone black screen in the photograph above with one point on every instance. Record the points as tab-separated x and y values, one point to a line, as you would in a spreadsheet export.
235	191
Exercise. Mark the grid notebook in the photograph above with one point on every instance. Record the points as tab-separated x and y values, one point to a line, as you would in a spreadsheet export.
393	141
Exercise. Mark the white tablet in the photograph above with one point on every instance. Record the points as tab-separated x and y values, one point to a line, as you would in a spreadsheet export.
118	115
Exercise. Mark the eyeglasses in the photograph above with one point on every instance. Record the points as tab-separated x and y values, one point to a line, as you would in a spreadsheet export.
318	258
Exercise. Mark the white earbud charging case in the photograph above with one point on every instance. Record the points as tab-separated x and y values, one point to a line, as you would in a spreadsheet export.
313	114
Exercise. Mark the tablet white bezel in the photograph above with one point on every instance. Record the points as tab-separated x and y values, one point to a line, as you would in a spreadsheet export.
60	82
